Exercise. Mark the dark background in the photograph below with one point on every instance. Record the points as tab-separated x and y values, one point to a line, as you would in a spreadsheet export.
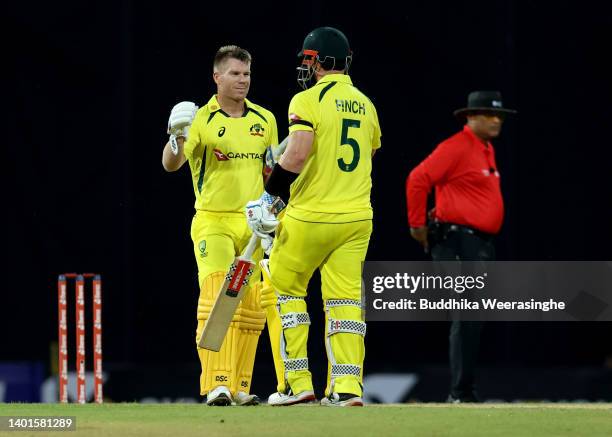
89	90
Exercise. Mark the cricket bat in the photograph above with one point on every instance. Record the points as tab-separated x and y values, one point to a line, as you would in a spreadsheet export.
233	288
229	297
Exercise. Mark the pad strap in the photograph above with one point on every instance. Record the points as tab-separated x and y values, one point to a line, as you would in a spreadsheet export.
350	326
284	299
338	370
294	364
330	303
292	320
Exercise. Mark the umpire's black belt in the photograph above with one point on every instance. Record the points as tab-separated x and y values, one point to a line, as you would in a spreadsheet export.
447	228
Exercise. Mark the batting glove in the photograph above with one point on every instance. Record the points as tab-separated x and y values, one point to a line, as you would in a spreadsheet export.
180	120
267	243
261	214
269	159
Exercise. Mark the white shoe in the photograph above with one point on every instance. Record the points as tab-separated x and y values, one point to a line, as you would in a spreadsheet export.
243	399
280	399
342	400
219	396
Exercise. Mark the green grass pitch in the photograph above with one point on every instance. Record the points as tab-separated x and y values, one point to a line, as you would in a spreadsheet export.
174	420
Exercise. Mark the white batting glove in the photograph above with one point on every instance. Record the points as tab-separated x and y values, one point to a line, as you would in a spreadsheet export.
269	158
274	153
261	214
180	120
267	243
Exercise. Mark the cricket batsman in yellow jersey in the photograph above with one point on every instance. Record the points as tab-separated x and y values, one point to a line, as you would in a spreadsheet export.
224	143
324	180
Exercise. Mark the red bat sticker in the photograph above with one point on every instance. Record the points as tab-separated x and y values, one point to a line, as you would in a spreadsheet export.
238	278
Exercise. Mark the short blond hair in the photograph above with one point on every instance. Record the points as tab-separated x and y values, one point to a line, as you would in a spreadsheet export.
231	51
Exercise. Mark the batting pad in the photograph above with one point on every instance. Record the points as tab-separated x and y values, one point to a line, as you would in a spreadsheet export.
275	331
250	320
294	321
344	341
268	296
218	368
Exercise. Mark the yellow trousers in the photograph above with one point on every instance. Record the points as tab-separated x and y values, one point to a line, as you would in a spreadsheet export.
338	251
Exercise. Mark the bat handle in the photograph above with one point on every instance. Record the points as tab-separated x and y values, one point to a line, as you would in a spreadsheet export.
280	149
248	252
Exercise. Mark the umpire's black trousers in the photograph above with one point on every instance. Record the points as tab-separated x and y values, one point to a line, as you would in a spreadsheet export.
464	336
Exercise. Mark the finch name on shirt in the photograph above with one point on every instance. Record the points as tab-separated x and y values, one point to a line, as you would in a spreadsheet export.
350	106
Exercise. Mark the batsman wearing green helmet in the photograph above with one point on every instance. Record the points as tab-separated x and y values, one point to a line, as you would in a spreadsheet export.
323	184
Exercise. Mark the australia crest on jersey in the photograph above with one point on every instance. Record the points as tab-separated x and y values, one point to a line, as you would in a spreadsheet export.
257	130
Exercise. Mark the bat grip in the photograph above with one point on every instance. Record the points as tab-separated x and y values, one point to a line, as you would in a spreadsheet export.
248	252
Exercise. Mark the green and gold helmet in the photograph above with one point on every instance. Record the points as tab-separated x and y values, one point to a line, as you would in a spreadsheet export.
327	46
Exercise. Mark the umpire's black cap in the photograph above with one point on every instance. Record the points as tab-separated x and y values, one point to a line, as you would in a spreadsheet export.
483	101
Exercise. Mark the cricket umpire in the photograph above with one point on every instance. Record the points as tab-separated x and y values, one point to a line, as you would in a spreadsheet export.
468	213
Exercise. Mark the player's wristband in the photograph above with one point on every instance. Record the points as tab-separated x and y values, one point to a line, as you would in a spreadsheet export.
274	203
280	181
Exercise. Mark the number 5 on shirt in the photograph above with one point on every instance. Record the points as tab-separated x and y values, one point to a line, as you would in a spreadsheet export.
345	140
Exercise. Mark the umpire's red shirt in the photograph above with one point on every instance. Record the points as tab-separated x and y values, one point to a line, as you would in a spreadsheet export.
463	170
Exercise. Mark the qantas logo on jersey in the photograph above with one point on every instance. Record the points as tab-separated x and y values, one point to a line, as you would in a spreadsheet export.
220	155
231	155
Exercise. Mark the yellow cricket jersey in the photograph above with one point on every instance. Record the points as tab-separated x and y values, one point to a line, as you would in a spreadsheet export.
335	184
225	155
